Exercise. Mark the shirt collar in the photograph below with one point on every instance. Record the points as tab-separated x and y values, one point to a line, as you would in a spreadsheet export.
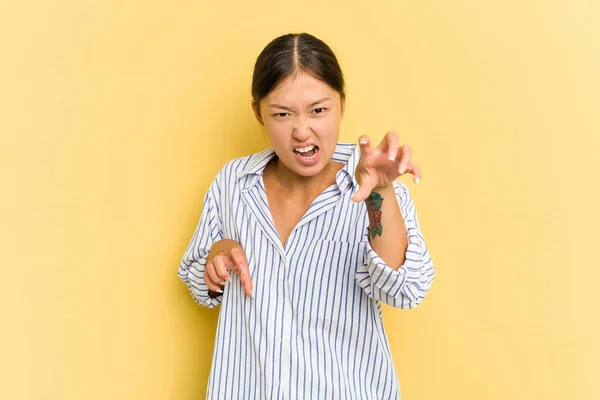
345	153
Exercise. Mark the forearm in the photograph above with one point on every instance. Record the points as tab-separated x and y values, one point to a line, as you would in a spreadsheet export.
387	231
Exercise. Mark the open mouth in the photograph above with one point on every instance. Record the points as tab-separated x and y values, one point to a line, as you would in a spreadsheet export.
309	152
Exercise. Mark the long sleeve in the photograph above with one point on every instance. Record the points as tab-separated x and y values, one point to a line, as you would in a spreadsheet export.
407	286
191	268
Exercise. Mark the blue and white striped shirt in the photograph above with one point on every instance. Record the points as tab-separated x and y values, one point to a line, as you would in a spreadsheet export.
314	328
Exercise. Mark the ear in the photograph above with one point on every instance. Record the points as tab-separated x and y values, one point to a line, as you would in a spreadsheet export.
256	108
343	104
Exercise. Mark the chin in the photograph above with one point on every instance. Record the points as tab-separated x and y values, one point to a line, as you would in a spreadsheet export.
311	171
314	170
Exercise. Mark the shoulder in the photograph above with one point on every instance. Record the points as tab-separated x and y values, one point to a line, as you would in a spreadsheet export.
233	168
236	168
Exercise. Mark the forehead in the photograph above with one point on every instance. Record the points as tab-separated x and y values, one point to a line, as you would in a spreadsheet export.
300	88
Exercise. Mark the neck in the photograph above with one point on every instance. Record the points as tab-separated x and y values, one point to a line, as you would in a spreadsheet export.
305	186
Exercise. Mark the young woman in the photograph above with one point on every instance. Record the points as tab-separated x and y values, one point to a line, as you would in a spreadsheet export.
301	243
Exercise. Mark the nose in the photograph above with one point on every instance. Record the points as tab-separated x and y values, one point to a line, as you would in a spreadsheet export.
302	130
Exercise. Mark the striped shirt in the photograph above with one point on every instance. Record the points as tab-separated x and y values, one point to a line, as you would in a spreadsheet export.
314	328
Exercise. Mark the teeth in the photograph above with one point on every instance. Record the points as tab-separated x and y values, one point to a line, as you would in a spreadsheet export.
305	149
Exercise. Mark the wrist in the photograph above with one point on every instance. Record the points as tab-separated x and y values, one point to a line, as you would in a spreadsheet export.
383	189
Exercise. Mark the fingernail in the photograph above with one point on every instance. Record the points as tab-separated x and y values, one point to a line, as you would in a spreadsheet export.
228	279
219	291
363	142
391	158
402	170
417	180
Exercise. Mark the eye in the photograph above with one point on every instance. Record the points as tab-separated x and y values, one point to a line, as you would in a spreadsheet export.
319	110
281	115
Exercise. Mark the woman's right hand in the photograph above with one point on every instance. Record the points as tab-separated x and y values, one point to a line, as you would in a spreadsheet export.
226	255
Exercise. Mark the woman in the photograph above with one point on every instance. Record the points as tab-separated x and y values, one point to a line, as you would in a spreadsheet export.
317	234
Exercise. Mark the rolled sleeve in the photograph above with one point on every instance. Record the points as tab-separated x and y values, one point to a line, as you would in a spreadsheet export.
193	276
407	286
193	264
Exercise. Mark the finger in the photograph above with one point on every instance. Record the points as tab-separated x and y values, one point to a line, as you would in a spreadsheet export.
416	171
392	144
210	270
239	259
213	287
208	280
243	272
221	268
365	146
406	153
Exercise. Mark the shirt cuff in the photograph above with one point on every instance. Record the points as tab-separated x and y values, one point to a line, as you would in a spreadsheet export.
198	287
387	279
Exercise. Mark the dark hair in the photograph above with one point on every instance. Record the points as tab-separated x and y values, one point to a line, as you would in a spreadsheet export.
293	53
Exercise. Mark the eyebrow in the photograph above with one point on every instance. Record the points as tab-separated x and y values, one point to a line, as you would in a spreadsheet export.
310	105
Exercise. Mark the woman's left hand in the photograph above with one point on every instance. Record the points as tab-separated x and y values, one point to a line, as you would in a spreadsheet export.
379	166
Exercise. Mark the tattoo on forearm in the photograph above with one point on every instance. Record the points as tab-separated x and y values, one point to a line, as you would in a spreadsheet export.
373	203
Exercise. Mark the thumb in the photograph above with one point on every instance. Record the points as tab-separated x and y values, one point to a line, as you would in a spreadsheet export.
362	193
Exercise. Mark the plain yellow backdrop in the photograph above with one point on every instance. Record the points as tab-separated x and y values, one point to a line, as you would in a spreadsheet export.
116	115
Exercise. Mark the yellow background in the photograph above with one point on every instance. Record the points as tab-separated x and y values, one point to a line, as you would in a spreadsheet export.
116	115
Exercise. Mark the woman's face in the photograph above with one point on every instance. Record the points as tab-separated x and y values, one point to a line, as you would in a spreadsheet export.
302	117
